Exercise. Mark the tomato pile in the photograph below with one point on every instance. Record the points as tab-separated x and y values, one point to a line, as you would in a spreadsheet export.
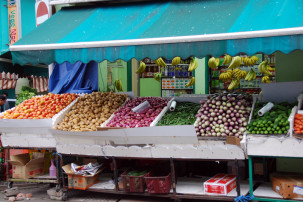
40	107
298	127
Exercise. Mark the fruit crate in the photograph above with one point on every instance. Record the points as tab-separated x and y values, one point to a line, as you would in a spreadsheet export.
158	185
133	183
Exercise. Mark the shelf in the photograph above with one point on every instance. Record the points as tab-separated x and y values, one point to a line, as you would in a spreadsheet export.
265	191
187	188
38	179
194	186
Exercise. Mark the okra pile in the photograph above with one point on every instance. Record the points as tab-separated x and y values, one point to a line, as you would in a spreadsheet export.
184	114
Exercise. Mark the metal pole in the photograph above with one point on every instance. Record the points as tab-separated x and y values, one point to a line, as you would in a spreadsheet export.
238	178
250	170
115	174
7	164
173	176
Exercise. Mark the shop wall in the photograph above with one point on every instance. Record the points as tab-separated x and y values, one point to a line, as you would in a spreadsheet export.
117	72
150	87
290	165
289	67
200	77
28	19
4	38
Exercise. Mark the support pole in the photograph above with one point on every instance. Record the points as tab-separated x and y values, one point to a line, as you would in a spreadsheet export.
251	182
173	176
115	174
237	178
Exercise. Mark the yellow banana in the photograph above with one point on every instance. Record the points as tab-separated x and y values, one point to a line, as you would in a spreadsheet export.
191	82
193	65
212	63
141	68
227	60
236	62
176	61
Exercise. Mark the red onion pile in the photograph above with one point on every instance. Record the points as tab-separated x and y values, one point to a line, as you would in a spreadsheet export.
126	118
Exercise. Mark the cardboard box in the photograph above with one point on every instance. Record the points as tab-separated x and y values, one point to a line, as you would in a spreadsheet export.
288	186
24	168
79	181
233	140
220	184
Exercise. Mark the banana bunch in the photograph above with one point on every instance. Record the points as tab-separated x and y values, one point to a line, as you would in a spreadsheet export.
251	75
228	75
176	61
158	76
239	74
234	83
141	68
213	62
192	65
263	68
118	85
191	82
235	62
160	62
265	79
227	60
250	61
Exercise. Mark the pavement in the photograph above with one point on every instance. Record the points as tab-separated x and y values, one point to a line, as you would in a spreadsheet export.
39	194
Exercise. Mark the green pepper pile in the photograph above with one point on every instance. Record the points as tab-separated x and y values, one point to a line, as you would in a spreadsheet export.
273	122
25	94
184	114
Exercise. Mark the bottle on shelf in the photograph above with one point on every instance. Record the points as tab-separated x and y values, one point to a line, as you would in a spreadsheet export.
52	169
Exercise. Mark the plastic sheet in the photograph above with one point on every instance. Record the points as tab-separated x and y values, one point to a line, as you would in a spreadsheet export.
68	77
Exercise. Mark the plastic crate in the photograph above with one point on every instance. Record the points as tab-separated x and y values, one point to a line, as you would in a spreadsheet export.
158	185
133	183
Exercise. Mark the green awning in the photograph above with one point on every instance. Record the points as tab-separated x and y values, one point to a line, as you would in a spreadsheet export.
164	29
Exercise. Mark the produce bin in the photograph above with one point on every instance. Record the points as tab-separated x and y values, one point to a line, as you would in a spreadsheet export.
30	133
133	183
158	185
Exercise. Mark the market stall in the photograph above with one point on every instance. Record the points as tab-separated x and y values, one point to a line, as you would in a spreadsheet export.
119	131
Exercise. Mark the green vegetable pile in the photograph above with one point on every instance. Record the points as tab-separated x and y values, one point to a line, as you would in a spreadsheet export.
136	173
273	122
25	94
184	114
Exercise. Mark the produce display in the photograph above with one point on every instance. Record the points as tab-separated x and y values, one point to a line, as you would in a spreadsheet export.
298	126
40	107
223	115
184	114
90	111
274	121
125	117
25	94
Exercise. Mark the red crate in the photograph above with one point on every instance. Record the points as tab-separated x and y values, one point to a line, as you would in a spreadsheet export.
158	185
133	183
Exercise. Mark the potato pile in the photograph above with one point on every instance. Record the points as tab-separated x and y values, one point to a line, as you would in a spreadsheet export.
90	111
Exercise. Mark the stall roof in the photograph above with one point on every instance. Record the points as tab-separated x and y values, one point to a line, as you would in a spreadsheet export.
167	29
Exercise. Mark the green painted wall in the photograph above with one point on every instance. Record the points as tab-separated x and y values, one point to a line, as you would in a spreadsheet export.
28	18
150	87
289	165
200	77
4	37
117	73
289	67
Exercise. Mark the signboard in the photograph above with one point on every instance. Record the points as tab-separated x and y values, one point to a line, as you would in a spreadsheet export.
13	21
43	11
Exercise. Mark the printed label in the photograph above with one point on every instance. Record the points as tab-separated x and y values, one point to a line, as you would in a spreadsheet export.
298	190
